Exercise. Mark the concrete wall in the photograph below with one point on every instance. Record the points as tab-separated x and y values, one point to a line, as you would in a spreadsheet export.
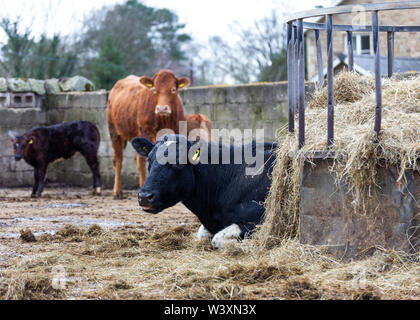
327	216
14	173
261	106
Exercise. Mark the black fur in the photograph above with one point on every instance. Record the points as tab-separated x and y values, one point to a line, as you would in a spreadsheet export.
43	145
219	194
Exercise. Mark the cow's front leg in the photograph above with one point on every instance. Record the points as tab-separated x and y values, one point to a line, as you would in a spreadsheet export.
40	172
118	145
141	168
203	233
36	182
227	235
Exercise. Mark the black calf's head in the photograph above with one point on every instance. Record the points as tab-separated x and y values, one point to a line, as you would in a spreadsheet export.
171	176
21	144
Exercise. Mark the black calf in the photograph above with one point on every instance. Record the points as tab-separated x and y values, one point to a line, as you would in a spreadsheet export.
40	146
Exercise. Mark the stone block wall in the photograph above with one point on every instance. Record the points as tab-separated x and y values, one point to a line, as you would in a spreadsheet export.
259	106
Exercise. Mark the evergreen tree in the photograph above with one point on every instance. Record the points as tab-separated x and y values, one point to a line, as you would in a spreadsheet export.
109	67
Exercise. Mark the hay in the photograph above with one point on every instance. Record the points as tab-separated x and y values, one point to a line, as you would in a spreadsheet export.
69	230
115	269
27	236
348	87
357	151
94	230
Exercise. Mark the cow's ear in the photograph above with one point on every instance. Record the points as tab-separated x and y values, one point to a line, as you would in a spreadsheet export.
146	81
183	82
142	146
30	139
12	136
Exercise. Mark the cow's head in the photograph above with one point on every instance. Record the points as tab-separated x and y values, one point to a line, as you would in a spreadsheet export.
20	144
171	171
165	86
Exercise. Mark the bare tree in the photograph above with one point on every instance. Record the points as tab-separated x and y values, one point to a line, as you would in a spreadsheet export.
258	55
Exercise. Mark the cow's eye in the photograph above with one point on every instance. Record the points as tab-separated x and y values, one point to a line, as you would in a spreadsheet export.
173	90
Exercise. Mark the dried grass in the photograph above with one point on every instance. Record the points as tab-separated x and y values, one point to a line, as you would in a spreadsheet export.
348	87
356	148
27	236
100	268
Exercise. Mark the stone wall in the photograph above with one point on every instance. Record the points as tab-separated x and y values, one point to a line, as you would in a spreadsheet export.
260	106
14	173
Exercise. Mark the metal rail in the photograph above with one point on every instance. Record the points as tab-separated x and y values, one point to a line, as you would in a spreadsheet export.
296	56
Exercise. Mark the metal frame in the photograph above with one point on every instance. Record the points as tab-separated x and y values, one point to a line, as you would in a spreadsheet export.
296	57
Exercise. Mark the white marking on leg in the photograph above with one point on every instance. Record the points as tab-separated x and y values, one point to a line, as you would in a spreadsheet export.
203	233
229	234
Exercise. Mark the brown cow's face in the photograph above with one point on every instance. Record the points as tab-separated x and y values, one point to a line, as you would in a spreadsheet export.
165	86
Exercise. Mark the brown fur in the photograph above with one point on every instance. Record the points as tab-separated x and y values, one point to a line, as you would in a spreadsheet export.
131	112
201	125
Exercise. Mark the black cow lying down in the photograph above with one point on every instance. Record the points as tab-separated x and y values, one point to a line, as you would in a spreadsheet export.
43	145
227	201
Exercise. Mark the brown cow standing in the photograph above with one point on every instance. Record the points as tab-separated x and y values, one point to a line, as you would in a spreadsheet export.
200	125
141	107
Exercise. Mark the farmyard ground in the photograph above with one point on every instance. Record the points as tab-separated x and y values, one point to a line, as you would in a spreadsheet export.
94	247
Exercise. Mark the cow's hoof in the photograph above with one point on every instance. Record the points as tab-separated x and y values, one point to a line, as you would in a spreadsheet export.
118	196
225	236
34	195
97	191
203	233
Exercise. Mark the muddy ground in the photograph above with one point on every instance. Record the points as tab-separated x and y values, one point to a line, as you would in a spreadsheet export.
72	245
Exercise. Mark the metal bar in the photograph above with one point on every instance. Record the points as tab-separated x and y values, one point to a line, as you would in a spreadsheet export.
390	53
359	28
378	86
301	83
330	76
350	50
295	72
319	60
371	7
290	63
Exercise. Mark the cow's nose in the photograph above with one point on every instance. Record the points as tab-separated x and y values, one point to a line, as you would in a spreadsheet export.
163	109
145	197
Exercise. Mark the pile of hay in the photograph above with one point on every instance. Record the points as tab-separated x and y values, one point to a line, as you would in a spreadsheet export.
357	149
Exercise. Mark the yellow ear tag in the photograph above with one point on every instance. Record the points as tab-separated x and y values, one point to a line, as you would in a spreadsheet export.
144	149
149	85
196	156
31	141
181	85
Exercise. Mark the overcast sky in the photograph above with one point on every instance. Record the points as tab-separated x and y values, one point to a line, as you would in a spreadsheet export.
203	18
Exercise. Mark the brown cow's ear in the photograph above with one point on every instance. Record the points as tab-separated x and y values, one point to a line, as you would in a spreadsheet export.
146	81
183	82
